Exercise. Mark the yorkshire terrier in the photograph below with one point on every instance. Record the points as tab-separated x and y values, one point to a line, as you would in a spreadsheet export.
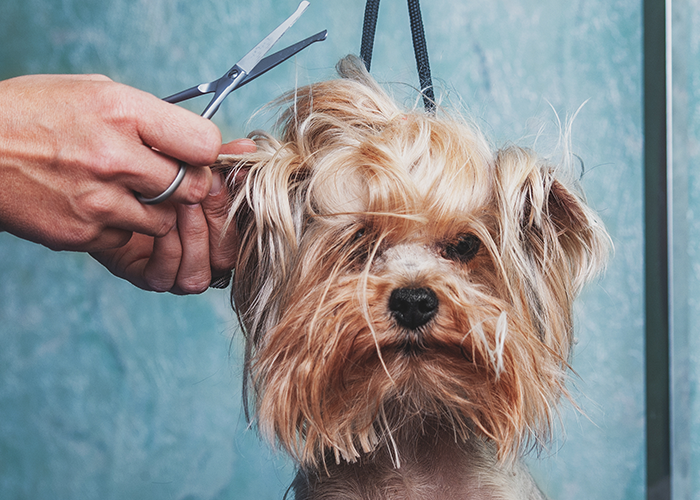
406	296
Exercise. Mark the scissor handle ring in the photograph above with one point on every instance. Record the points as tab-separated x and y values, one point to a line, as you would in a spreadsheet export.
168	192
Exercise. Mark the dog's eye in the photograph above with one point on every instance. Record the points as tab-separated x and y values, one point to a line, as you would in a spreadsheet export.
357	246
358	234
465	249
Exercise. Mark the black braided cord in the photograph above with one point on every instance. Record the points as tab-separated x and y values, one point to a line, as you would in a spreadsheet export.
421	50
420	47
368	29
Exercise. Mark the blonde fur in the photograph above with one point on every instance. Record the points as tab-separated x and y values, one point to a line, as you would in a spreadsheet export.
357	198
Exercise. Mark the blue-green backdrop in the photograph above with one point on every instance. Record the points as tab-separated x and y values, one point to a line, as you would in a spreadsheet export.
109	392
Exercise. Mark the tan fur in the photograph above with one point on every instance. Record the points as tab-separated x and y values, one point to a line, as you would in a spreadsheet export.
358	198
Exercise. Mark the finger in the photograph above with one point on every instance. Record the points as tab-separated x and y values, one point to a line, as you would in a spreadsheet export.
223	240
128	262
161	269
195	187
239	147
179	133
146	262
150	139
145	141
194	274
153	173
115	206
151	220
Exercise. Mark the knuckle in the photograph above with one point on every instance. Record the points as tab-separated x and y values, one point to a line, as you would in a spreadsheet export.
210	143
97	77
95	206
105	162
223	256
113	101
198	233
198	184
165	223
194	284
157	284
157	280
92	229
118	240
206	142
120	108
217	209
99	158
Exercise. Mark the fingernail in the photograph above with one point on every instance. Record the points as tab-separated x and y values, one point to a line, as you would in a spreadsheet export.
217	184
247	142
239	146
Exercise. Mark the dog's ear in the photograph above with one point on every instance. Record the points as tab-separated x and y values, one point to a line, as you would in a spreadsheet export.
550	242
552	223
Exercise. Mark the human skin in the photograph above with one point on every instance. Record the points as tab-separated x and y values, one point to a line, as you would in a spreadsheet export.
73	151
186	259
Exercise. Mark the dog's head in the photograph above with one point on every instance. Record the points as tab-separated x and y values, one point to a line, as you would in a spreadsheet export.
393	268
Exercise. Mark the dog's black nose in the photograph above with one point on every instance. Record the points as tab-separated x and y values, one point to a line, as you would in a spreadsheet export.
413	307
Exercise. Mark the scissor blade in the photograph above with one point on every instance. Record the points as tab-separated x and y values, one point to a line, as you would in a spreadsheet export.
277	58
252	58
201	89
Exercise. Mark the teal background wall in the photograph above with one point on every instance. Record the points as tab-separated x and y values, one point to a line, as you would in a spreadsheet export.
686	248
109	392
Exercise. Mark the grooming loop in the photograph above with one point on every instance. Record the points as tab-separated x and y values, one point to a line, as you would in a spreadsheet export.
420	47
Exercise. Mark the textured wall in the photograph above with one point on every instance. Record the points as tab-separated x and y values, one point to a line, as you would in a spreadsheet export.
686	249
110	392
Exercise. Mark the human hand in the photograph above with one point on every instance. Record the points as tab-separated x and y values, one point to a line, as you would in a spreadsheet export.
74	149
193	253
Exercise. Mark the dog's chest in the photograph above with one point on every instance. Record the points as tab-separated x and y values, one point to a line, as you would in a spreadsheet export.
429	470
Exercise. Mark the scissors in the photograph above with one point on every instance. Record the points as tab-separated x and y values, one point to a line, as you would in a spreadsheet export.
251	66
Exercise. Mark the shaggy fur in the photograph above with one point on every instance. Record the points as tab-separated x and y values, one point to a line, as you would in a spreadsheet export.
405	294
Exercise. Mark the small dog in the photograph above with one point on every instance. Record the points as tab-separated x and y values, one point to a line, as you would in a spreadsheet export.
405	294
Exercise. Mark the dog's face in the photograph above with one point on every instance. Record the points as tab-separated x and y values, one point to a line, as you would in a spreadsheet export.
392	268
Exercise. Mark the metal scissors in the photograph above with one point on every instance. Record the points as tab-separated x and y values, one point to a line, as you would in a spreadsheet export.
251	66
